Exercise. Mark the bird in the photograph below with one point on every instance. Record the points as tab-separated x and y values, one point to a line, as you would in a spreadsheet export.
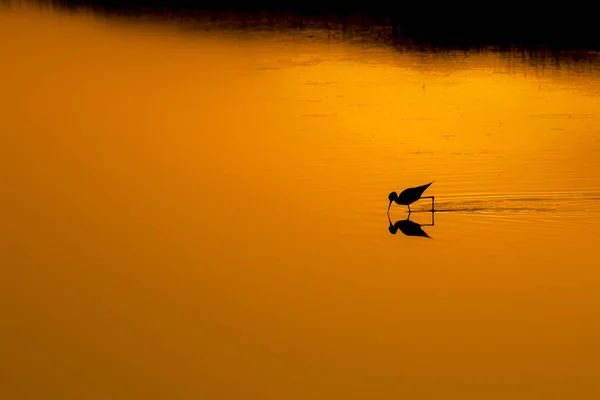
409	196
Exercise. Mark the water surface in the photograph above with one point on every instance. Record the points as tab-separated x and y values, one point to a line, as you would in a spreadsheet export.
202	214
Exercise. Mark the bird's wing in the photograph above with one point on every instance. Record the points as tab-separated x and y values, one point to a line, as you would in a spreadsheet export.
417	191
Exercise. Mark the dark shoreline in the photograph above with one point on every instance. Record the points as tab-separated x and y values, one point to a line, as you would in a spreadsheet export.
402	23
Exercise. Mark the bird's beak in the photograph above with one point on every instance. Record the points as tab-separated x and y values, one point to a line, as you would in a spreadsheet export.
389	206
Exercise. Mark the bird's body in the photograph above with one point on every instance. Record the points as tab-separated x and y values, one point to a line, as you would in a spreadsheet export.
409	196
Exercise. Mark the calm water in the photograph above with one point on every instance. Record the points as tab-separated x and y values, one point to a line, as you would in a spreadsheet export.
202	215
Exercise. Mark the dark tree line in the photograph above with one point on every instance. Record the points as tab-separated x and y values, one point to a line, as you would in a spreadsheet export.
572	25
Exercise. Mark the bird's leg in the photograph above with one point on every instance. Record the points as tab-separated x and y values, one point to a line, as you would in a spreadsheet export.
432	201
408	208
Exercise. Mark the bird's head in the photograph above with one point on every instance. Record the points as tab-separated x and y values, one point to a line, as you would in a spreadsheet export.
393	196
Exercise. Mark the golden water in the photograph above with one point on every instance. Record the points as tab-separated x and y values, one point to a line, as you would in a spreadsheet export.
203	215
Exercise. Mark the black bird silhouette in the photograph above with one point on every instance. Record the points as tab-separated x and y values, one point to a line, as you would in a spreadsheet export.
410	195
409	228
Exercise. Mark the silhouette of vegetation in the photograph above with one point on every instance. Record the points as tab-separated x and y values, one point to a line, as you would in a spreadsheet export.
571	26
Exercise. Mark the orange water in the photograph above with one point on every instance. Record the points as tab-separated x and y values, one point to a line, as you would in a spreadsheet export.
203	215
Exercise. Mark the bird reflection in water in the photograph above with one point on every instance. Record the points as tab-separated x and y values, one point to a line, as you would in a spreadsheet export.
410	228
